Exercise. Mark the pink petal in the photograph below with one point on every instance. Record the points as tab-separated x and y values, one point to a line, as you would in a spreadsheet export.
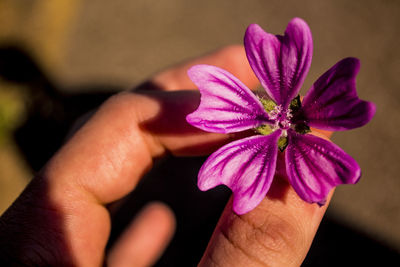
314	166
281	63
226	105
246	166
332	102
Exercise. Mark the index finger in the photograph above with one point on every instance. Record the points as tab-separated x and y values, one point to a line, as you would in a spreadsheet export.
106	158
231	58
115	148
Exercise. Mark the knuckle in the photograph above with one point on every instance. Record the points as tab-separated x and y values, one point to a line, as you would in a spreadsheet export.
276	234
268	240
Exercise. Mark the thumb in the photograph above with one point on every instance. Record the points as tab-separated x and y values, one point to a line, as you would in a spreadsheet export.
278	232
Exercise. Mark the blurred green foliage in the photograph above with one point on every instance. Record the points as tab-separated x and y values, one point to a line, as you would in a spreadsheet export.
12	109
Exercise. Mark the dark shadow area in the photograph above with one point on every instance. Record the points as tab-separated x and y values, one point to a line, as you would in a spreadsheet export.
174	182
337	244
51	112
175	106
32	230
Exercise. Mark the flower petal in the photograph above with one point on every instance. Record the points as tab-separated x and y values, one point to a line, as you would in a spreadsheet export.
281	63
226	105
332	102
246	166
314	166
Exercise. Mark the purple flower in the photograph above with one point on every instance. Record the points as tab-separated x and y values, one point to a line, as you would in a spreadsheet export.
247	166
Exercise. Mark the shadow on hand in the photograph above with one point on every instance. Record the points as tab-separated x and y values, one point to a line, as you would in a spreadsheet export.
51	112
32	230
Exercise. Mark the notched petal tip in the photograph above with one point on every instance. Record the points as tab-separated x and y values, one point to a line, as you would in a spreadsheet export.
321	203
226	104
332	102
197	72
280	62
315	166
352	63
241	207
370	110
253	30
194	120
299	23
246	166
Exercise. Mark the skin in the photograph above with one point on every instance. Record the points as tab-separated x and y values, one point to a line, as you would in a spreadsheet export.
61	218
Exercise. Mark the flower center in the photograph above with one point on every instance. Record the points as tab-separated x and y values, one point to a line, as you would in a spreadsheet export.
282	119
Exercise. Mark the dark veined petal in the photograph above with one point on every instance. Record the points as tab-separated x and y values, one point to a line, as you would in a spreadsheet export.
281	63
226	105
246	166
332	102
314	166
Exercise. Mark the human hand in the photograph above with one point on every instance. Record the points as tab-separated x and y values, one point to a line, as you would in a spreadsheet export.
61	218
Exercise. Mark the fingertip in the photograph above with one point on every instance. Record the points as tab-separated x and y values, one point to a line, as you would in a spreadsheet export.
281	229
160	211
231	58
145	239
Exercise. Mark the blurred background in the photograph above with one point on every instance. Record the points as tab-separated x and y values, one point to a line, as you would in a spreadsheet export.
61	59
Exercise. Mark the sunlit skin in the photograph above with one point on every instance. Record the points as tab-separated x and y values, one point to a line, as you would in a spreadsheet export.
65	221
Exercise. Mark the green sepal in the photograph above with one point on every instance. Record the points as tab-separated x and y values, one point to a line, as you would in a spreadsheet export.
282	143
268	104
264	129
295	104
302	128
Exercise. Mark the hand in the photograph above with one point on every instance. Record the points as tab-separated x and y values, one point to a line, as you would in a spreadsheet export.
61	220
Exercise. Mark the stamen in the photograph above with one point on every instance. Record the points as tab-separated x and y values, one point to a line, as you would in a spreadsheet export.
274	114
281	117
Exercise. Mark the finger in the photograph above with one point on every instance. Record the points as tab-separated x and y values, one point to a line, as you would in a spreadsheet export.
105	159
231	58
278	232
145	239
151	124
